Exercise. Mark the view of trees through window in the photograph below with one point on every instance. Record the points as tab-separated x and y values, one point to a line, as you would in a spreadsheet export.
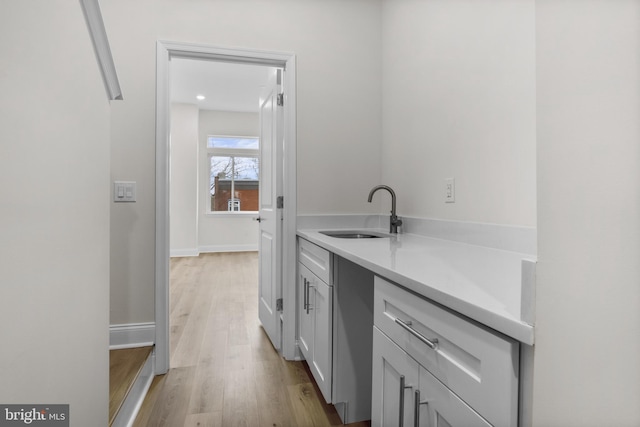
234	173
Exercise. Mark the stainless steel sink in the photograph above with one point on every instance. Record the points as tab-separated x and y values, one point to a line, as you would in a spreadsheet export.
351	234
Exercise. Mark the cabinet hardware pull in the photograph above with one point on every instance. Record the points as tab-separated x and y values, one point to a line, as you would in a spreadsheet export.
309	286
432	343
401	405
416	408
305	298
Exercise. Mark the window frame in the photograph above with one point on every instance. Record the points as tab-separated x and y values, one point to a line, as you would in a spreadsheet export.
228	152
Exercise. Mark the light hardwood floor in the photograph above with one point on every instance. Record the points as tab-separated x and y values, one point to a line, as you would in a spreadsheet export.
224	370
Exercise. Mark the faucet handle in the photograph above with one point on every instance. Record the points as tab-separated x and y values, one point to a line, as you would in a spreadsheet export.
394	224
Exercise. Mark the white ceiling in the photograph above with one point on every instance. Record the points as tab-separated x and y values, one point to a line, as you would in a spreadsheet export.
226	86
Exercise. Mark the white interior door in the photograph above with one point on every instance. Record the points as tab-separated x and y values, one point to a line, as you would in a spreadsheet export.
270	215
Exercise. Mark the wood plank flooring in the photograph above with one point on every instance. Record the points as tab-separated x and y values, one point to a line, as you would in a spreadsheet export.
224	370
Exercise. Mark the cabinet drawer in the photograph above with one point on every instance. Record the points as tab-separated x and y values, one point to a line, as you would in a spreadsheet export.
316	259
478	365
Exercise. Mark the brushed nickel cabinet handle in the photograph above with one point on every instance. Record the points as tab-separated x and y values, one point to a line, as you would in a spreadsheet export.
431	343
305	298
416	408
309	286
403	387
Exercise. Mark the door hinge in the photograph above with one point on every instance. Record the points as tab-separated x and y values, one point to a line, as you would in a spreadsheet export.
279	304
280	202
280	99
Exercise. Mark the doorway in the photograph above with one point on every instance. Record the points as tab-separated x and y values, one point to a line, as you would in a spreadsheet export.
166	52
215	155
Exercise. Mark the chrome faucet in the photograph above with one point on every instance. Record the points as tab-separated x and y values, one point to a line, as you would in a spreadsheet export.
394	221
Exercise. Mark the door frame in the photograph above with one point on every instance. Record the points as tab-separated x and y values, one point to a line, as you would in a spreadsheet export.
165	50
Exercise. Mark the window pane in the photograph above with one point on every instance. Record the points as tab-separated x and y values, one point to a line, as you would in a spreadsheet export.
232	142
234	183
246	168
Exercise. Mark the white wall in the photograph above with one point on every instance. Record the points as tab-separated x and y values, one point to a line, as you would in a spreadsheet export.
184	180
459	102
479	90
337	46
223	232
54	213
587	369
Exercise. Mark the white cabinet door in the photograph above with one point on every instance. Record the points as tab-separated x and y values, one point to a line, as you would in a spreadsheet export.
321	306
440	407
305	338
395	379
315	307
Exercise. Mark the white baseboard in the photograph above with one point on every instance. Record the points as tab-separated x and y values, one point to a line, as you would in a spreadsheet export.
183	252
175	253
229	248
132	335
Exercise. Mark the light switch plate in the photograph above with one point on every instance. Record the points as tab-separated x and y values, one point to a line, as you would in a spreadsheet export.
124	191
449	190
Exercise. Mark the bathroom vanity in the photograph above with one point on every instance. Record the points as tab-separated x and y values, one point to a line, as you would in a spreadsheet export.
424	330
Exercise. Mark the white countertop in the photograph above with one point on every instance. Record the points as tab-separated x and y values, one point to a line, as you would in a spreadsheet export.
482	283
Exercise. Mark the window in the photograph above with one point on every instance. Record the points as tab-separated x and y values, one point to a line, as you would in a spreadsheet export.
234	173
234	205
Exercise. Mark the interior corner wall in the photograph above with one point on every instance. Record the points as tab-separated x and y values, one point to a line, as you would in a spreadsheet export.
184	180
54	228
338	55
459	102
223	232
587	371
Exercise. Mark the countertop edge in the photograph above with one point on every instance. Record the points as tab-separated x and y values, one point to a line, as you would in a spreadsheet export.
509	326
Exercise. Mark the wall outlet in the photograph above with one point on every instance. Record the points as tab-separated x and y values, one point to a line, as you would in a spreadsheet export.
449	190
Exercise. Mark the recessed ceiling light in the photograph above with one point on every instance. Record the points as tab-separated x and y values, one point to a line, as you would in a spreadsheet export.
200	97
